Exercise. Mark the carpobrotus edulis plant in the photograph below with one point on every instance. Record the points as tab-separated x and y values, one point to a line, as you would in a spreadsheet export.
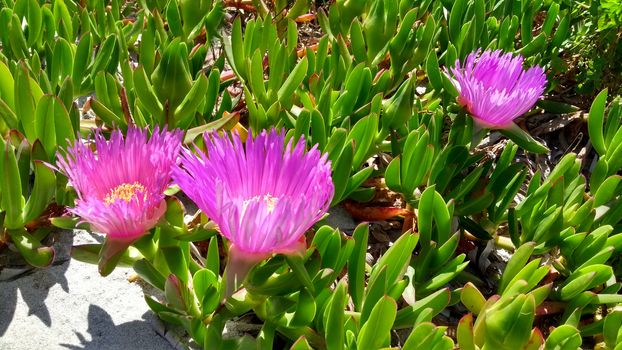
263	195
495	88
120	184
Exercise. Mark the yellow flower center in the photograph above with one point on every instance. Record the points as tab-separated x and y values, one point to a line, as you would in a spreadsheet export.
270	202
267	198
125	192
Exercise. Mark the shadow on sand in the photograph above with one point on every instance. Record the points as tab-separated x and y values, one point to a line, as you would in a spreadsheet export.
34	285
105	334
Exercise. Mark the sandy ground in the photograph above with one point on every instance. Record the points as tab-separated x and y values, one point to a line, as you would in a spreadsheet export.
70	306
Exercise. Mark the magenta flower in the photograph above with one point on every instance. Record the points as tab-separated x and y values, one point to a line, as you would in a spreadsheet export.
495	89
121	185
263	196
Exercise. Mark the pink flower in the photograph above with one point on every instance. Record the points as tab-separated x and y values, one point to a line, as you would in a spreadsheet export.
495	89
263	196
121	184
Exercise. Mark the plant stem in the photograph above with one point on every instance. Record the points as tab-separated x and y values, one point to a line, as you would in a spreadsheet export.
238	266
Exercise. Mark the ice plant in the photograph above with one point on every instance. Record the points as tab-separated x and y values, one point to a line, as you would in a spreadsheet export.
120	185
263	195
495	88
